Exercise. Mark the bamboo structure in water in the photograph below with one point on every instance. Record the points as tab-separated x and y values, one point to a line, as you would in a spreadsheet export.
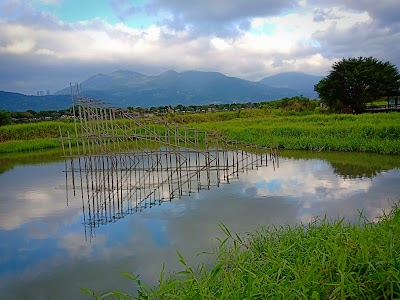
124	163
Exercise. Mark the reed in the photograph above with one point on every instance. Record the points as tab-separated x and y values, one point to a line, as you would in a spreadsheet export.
29	145
325	259
29	131
377	133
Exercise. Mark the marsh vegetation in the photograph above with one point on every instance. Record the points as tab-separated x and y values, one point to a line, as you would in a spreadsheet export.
378	133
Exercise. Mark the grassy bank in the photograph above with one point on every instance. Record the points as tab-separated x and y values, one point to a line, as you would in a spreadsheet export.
377	133
32	136
324	260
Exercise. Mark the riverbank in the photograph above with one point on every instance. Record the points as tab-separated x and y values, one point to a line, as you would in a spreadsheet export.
324	260
376	133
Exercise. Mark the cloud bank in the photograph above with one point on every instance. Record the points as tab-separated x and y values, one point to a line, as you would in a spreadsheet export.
41	49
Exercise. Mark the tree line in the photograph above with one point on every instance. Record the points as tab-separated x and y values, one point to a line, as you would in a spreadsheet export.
294	103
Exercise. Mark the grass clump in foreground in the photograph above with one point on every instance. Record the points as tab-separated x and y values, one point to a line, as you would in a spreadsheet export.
324	260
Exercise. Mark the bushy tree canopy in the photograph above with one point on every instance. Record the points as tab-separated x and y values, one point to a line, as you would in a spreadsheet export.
5	118
354	82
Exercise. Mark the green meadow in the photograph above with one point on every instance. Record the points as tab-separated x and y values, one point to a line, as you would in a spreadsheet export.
377	133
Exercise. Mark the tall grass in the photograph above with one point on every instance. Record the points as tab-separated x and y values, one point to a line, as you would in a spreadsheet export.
378	133
32	136
327	259
29	145
31	131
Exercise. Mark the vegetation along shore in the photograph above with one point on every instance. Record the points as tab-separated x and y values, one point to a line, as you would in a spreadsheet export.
325	259
287	129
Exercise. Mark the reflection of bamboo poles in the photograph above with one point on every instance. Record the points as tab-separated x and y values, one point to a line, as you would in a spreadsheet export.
116	185
120	174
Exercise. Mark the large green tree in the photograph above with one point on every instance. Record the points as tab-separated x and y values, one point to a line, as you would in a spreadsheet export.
5	117
354	82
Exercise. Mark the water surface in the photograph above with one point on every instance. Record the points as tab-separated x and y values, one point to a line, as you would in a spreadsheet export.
47	252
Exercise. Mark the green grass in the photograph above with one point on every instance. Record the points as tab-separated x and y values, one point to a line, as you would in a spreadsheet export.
32	136
31	131
29	145
377	133
327	259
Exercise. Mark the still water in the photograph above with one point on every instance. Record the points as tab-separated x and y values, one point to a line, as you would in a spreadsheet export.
48	251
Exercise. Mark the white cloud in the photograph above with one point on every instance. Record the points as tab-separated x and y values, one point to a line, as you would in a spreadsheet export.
46	52
307	39
19	47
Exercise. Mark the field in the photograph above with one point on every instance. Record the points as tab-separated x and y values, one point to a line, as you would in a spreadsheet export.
377	133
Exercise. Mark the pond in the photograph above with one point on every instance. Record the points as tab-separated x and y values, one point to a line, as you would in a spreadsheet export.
49	249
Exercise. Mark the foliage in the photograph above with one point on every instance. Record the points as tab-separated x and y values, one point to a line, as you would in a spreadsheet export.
354	82
294	103
30	145
379	133
5	118
31	131
326	259
287	129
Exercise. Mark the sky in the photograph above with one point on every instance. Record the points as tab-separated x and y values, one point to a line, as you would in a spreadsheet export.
48	44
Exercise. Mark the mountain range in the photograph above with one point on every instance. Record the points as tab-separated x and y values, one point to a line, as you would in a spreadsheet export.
127	88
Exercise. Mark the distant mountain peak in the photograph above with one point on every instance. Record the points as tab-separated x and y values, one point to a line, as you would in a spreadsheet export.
169	73
299	81
98	75
126	73
128	88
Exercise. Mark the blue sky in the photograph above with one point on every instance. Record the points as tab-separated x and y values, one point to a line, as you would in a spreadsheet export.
46	44
77	10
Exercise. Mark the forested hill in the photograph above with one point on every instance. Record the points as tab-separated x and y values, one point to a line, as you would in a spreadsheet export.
127	88
19	102
299	81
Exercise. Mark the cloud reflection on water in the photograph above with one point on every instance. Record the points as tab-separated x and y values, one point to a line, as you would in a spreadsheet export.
27	197
57	250
319	191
